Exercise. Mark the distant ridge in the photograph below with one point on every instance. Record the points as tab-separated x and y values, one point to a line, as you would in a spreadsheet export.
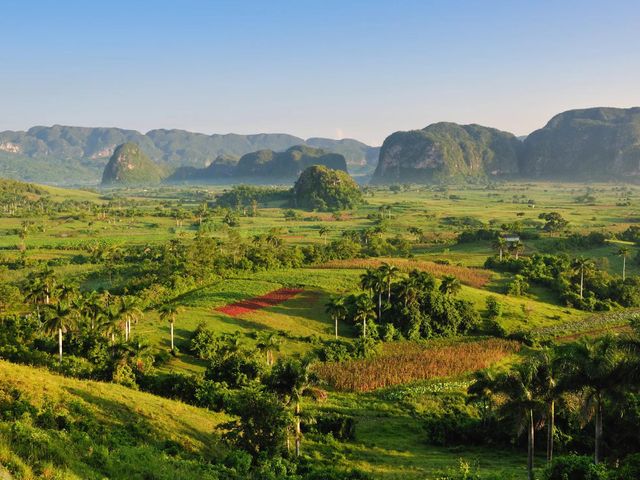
592	144
68	155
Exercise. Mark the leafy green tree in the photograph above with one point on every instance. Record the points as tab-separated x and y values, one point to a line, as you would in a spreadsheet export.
364	310
262	424
554	222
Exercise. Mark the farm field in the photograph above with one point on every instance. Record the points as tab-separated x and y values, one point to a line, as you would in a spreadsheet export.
266	283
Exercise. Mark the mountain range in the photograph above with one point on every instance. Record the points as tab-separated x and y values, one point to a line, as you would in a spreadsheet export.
587	144
67	155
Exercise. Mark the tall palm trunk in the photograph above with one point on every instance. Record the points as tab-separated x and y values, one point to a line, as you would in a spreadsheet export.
298	430
60	344
598	438
335	319
500	254
389	292
530	444
581	281
379	306
172	348
551	426
624	268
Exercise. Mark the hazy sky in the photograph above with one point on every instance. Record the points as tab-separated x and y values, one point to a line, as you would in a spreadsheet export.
360	69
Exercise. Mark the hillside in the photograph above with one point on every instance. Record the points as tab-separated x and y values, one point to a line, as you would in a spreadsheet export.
261	166
67	155
445	151
589	144
93	430
130	166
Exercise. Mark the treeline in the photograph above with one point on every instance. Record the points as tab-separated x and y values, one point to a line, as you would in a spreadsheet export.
583	396
578	282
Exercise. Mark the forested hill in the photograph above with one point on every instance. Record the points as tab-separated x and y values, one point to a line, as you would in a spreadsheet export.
68	155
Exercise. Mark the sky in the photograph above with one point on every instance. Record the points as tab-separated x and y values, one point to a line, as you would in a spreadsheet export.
340	69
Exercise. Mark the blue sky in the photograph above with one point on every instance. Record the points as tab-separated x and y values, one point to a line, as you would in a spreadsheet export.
359	69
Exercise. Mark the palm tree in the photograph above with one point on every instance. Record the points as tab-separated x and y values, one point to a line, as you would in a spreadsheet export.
58	320
374	281
519	387
169	311
129	310
337	310
546	373
500	244
517	248
483	391
293	380
364	311
450	285
389	272
582	265
323	233
592	368
624	253
268	342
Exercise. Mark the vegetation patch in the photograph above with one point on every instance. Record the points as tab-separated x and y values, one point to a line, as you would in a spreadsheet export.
407	362
269	300
474	277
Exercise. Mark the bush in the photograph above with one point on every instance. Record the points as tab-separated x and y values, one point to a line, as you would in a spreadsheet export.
575	467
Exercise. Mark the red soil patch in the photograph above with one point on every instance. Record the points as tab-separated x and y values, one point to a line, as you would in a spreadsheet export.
256	303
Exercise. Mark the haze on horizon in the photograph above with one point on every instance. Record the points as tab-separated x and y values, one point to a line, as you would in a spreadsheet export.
358	69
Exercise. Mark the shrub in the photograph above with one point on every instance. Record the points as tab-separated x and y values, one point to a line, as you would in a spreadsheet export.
575	467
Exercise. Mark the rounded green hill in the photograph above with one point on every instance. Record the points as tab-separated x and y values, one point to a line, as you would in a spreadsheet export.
129	165
322	188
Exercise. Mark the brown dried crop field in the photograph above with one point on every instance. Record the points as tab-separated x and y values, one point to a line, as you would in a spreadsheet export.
473	277
406	362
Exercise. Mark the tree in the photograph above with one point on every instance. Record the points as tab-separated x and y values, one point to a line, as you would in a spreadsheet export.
516	248
546	379
450	285
169	311
592	368
262	422
582	265
483	392
364	311
500	244
58	320
268	342
337	310
374	281
129	311
624	253
519	387
554	222
389	272
323	232
293	380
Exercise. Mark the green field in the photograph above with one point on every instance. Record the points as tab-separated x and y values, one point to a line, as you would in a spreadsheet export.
79	242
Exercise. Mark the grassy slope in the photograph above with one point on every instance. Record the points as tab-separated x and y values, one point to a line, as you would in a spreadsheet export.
117	411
